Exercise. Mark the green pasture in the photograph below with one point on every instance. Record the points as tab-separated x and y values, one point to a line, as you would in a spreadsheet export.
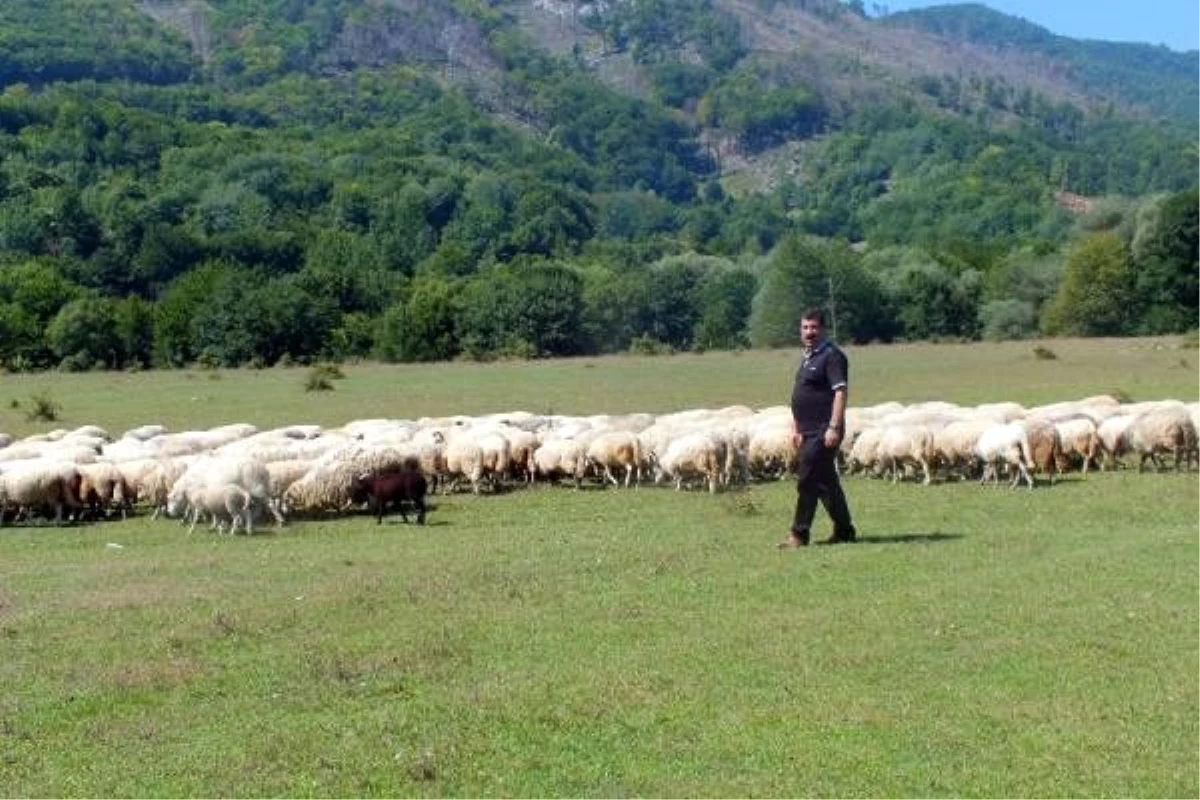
979	641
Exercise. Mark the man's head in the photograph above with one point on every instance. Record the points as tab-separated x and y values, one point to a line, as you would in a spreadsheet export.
812	326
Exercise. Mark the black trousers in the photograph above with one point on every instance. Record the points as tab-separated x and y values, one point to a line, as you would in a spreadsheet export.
817	480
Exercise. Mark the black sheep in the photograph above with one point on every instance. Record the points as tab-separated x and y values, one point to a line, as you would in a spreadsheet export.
391	488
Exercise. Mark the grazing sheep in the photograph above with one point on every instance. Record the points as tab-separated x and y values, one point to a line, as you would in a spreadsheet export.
1045	448
1113	442
39	484
326	485
902	446
218	471
281	475
864	453
954	445
379	490
464	459
560	458
1166	429
693	455
224	502
144	432
771	451
1005	445
616	450
1078	439
103	487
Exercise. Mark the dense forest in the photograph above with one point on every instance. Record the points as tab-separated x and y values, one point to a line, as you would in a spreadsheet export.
249	182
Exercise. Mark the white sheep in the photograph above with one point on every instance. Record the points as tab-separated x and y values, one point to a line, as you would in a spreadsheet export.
214	471
560	458
1165	429
771	450
39	483
327	484
223	502
617	450
698	454
905	445
1077	436
1005	445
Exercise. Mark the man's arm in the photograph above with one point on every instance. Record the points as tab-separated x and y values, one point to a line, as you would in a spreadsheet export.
837	419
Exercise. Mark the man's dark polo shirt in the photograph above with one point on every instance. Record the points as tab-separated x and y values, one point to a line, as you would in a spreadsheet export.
821	373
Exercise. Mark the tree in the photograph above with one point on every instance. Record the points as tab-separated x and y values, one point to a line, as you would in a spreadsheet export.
1164	255
180	303
671	308
805	271
85	334
421	328
528	309
1097	291
613	303
726	297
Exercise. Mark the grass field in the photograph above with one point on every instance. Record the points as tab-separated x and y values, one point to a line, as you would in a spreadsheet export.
978	642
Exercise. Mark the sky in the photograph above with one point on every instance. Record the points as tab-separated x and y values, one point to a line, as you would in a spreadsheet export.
1175	23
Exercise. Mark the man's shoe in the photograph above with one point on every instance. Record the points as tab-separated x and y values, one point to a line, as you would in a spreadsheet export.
841	538
793	541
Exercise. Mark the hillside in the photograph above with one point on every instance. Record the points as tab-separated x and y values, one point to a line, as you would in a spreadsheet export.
454	178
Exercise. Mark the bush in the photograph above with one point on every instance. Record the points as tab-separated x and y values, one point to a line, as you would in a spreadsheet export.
331	371
42	408
646	345
321	377
1007	319
316	382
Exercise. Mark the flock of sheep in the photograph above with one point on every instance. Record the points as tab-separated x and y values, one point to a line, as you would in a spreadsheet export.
236	474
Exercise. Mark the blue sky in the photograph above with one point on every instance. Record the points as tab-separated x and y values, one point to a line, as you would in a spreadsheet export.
1175	23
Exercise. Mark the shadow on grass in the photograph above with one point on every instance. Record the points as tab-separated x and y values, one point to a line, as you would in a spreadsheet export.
907	538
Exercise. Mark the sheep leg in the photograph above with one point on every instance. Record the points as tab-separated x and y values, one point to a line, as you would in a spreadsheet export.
610	478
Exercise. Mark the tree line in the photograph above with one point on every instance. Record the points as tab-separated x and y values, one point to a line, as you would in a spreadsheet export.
254	211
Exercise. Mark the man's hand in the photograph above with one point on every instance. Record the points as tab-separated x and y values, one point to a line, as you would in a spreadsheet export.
833	437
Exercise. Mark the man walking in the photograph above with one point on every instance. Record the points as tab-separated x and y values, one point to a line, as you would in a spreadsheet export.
818	425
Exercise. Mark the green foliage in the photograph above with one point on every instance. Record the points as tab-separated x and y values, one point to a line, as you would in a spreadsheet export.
933	300
1007	319
43	408
1096	295
805	271
725	302
1166	266
316	381
282	191
423	327
646	345
762	109
86	334
532	308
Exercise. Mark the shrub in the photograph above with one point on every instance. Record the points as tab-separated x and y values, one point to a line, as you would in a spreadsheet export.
42	408
1007	319
321	377
316	382
330	371
647	345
